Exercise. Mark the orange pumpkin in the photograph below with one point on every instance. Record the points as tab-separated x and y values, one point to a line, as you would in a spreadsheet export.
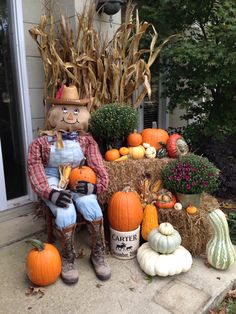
191	210
124	151
81	173
125	211
134	139
154	137
43	263
112	154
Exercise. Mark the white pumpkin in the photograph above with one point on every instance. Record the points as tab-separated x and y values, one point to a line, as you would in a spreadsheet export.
146	145
153	263
150	152
164	239
178	206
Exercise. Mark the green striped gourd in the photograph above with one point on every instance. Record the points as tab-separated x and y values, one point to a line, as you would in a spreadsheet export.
220	251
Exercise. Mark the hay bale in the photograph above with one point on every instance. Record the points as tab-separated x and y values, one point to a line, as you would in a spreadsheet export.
195	230
130	173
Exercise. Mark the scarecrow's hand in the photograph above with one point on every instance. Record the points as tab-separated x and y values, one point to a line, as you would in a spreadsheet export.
86	188
60	198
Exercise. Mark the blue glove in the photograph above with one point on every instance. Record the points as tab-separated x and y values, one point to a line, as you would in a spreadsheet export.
60	198
86	188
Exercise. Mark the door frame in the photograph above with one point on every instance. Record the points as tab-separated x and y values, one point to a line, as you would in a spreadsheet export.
19	54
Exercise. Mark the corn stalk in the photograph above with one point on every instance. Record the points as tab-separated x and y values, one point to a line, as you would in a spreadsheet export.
108	71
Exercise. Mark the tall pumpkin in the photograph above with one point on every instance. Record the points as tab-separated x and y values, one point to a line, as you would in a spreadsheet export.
154	137
150	220
43	263
125	211
220	251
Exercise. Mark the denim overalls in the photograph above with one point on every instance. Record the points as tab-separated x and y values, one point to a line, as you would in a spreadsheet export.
87	205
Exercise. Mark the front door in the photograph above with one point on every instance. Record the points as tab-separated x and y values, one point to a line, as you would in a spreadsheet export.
13	181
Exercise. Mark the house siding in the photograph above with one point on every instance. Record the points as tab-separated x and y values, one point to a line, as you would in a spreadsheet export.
32	11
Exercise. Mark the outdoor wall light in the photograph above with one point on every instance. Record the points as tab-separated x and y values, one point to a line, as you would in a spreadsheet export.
110	7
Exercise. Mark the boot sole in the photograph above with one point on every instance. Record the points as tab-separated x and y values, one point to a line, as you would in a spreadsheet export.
70	282
100	277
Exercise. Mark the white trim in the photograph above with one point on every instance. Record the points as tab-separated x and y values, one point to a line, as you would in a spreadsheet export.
22	77
20	201
3	199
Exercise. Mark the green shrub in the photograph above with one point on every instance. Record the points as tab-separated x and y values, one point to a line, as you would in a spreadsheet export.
113	122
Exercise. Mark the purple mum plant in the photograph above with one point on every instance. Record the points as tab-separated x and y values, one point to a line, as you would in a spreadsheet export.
190	174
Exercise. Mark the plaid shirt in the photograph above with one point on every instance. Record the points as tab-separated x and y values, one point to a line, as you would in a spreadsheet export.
38	158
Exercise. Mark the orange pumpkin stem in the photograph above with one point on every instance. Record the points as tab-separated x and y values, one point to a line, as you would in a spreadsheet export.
39	245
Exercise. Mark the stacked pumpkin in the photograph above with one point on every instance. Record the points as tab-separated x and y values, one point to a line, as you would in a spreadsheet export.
163	255
135	149
150	143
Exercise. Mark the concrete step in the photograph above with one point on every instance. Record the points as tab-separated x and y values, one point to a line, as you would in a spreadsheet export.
16	225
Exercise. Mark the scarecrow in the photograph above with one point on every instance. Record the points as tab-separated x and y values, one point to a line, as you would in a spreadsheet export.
66	141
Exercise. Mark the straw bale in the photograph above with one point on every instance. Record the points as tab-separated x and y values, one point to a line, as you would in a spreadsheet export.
195	230
130	173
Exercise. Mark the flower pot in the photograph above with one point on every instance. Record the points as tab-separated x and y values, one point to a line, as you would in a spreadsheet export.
189	199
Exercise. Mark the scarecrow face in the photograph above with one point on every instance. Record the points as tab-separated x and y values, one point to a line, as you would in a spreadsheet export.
68	118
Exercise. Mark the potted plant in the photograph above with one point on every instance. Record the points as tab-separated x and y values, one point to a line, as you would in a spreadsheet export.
112	123
189	176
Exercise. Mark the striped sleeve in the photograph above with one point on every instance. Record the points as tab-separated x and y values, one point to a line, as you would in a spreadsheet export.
38	153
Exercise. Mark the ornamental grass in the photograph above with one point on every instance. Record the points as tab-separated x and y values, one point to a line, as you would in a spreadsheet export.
107	70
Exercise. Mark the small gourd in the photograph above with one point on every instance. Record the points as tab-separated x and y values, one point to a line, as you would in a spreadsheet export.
161	152
150	152
220	251
124	151
150	220
146	145
165	199
153	263
178	206
164	239
191	210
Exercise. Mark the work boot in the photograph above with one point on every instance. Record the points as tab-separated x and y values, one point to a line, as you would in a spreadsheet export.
68	273
98	251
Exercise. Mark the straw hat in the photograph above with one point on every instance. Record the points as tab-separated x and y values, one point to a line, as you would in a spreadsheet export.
68	95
